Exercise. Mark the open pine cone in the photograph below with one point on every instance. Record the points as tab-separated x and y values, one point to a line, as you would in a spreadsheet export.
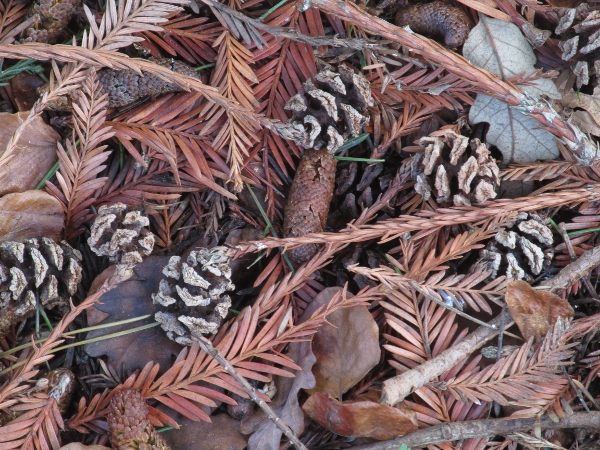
325	115
35	270
121	235
193	294
456	170
581	28
521	251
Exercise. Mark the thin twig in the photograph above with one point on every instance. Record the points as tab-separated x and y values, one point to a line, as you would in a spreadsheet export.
458	431
397	388
292	33
212	351
458	312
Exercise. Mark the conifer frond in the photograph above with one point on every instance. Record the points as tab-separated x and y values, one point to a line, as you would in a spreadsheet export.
84	159
11	13
187	37
529	377
233	77
37	426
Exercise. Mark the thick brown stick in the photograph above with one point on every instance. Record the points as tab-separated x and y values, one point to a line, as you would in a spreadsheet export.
458	431
397	388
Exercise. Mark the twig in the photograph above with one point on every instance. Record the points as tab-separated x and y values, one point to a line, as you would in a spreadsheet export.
397	388
212	351
457	431
573	255
291	33
458	312
570	274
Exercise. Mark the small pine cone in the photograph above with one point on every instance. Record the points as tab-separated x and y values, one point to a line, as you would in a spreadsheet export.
45	270
521	251
121	235
456	172
437	20
127	86
308	201
328	113
193	294
129	426
51	18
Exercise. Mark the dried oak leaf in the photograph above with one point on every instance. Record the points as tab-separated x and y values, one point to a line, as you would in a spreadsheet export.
32	157
438	20
533	311
29	215
222	433
360	419
501	48
266	435
347	349
131	298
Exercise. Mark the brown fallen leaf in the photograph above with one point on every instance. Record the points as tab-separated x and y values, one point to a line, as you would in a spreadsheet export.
25	90
30	214
131	299
33	157
360	419
347	349
266	435
533	311
221	434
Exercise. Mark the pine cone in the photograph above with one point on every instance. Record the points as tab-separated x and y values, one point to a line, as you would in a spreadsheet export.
51	18
437	20
126	86
121	235
129	426
581	28
328	113
192	294
44	270
456	172
324	116
521	251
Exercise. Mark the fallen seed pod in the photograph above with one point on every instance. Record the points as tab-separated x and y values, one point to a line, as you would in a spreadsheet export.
308	201
437	20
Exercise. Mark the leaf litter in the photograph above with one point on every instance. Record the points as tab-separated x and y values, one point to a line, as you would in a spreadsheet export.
416	319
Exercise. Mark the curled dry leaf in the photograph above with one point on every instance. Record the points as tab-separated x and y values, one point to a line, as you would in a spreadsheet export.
533	311
222	433
31	158
360	419
347	349
129	299
501	48
28	215
266	435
